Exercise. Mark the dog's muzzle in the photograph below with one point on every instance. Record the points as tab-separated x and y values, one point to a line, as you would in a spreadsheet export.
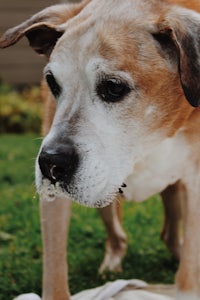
59	162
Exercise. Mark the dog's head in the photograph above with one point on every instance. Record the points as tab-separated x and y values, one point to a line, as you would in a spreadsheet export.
120	73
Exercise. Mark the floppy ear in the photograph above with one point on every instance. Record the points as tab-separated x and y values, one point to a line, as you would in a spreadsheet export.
43	29
179	35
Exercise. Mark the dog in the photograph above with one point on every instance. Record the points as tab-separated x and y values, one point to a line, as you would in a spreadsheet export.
124	76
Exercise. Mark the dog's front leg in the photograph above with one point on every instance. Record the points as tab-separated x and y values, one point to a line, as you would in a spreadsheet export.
188	275
174	197
55	217
116	243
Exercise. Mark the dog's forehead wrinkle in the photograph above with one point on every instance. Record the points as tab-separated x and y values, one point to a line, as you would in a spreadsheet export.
101	66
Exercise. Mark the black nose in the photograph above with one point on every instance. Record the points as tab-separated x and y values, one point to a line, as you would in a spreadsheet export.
59	163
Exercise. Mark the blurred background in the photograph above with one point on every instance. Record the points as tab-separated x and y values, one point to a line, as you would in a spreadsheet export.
20	71
19	65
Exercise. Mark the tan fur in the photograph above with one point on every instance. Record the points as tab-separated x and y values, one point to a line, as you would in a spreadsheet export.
49	108
192	4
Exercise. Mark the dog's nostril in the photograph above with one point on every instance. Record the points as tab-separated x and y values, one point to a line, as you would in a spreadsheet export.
59	166
56	172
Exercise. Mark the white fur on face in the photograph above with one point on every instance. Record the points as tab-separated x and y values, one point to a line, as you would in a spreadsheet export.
101	137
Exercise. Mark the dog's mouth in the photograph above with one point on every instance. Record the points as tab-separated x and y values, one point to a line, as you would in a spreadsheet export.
50	190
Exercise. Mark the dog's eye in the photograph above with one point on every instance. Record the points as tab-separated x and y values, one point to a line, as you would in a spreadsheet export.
112	90
53	85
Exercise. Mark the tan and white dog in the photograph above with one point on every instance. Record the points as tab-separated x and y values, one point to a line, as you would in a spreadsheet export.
122	74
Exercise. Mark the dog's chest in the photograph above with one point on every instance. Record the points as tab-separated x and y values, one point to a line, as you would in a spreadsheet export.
163	166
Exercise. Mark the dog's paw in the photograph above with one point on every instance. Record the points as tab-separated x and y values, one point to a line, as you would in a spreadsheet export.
29	296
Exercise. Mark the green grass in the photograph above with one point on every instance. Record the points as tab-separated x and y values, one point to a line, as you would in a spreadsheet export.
20	236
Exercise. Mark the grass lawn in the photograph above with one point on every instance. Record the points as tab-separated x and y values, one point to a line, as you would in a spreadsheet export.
20	236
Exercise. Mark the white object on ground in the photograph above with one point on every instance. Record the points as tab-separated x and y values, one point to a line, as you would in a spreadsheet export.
30	296
111	291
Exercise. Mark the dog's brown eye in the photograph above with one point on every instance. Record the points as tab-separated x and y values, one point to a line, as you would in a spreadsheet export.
53	85
112	90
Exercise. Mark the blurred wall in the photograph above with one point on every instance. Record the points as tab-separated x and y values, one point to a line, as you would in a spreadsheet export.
19	64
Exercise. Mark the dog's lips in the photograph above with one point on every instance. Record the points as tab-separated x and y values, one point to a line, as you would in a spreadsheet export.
121	188
50	191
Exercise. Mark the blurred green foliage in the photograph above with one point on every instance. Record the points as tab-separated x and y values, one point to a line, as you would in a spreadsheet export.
20	111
